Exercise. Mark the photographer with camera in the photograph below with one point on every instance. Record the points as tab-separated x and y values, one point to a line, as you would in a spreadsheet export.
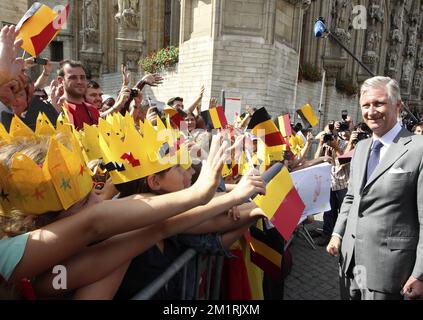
332	145
360	132
153	112
134	104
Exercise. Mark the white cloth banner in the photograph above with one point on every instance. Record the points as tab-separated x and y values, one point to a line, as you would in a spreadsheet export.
313	186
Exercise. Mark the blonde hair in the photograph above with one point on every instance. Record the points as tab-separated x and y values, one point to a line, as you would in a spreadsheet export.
17	222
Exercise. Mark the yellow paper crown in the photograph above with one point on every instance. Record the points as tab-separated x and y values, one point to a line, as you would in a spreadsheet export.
60	182
129	156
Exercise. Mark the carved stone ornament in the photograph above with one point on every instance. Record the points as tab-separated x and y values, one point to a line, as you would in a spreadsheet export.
370	58
372	40
337	12
407	69
391	62
128	13
90	35
417	83
395	36
92	61
332	67
412	41
305	4
343	35
375	12
419	63
131	58
91	15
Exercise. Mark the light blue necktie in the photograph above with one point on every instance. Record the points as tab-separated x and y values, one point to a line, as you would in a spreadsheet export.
373	158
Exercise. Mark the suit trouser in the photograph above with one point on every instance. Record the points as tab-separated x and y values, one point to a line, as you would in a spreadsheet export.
351	288
330	217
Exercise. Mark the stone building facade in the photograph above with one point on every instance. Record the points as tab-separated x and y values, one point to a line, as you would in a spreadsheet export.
257	50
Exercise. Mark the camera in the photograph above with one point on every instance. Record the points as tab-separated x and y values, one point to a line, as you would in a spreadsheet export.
344	126
362	136
40	61
182	113
328	137
344	115
331	125
134	93
155	108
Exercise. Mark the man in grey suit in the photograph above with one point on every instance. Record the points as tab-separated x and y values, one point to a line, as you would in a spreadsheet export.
379	231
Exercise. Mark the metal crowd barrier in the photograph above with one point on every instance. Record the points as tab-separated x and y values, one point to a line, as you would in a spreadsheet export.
204	263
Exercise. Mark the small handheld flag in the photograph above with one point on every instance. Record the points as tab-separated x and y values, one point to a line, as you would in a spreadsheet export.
261	120
215	118
308	116
282	203
39	26
285	125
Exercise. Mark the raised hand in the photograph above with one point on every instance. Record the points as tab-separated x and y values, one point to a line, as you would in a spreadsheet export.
211	170
152	115
29	63
123	97
125	75
248	186
153	80
213	103
10	66
201	91
57	95
47	68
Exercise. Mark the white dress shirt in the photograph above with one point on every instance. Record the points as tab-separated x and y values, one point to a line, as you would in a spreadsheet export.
388	138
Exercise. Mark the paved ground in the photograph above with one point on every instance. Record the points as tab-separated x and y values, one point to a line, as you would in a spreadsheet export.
314	274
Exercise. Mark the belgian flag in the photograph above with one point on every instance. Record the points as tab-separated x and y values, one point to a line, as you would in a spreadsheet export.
308	116
176	116
261	120
266	249
39	26
215	118
281	204
285	125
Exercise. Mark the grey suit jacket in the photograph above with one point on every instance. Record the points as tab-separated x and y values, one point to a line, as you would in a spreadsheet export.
381	221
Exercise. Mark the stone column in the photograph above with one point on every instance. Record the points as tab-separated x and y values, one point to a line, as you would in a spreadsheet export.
395	40
375	14
175	21
335	58
90	53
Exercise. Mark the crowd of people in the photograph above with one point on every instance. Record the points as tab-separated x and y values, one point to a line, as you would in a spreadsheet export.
87	180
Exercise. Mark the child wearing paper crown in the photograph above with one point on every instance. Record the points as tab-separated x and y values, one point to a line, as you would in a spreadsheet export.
204	237
30	250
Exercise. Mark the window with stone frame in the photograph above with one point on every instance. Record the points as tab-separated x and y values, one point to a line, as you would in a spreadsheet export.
56	50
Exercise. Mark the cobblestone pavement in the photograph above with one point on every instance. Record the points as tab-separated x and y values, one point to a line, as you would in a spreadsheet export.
314	274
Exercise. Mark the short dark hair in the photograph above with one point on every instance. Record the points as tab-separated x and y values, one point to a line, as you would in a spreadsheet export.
72	63
172	100
93	84
416	125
